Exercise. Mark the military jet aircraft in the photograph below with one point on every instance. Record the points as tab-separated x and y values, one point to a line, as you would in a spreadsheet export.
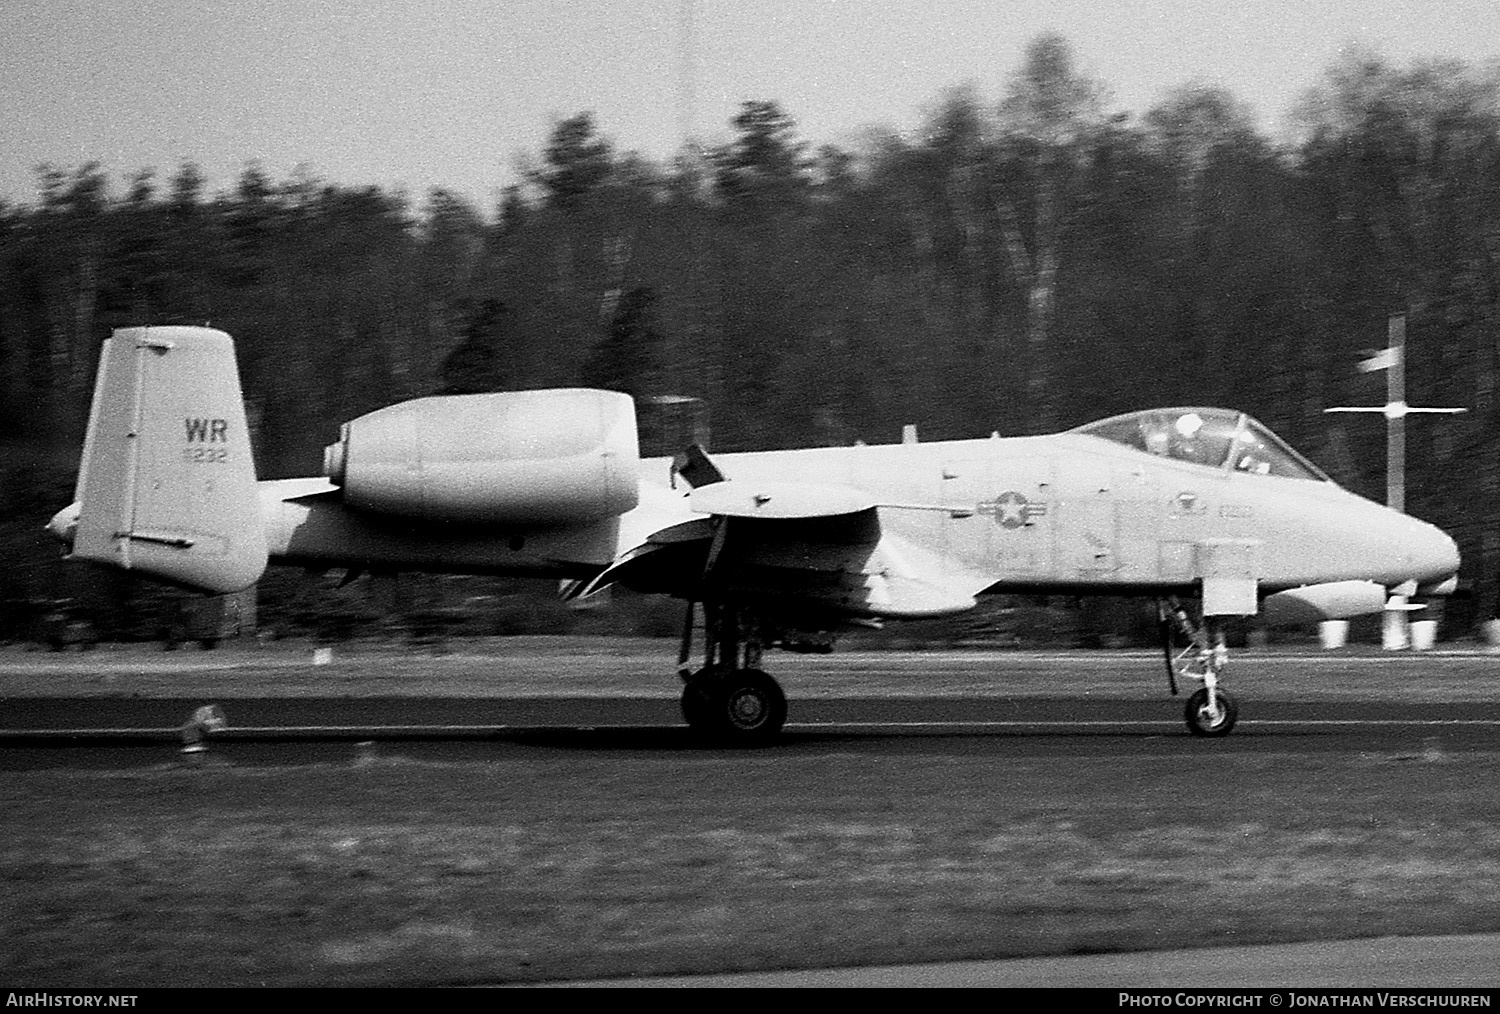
1204	509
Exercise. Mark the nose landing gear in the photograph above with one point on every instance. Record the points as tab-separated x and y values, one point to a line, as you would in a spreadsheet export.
1209	711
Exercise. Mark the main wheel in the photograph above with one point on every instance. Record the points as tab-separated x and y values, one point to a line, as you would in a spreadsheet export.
752	706
697	703
740	707
1205	721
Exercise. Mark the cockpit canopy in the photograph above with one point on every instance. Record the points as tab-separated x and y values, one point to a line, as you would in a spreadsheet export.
1216	437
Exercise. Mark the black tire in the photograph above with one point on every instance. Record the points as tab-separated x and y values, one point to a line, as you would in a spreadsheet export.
1201	723
696	702
737	708
749	706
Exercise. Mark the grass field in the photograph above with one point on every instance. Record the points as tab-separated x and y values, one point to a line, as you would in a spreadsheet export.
545	864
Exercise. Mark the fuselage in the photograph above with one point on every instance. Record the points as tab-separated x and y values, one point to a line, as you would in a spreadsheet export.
1066	512
1073	512
1069	513
307	525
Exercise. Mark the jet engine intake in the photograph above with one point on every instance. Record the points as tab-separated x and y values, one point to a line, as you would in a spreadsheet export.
561	456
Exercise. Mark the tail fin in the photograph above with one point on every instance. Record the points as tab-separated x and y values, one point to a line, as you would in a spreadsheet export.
167	484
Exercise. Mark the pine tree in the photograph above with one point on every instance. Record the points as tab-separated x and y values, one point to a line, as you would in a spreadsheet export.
626	357
475	366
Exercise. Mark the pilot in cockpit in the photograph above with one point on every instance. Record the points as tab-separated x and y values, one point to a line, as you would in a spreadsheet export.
1217	438
1185	431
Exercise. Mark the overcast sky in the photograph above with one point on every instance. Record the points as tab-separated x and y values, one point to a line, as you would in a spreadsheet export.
454	93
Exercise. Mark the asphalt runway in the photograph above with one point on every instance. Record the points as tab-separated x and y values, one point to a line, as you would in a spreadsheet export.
39	732
126	705
1459	966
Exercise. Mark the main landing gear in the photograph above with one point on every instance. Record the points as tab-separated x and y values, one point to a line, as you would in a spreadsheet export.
1209	711
729	700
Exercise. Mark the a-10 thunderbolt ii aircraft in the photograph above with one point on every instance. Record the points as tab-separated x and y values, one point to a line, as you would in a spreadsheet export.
1204	509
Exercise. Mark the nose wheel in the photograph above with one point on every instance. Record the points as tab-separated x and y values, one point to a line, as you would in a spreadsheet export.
1210	716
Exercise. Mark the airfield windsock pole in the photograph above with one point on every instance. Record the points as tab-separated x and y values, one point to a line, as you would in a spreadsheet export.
1392	359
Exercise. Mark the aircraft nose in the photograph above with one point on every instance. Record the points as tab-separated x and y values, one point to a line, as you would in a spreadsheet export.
1396	549
1434	555
1424	553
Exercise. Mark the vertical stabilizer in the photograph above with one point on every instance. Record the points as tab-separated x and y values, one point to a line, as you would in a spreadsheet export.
167	482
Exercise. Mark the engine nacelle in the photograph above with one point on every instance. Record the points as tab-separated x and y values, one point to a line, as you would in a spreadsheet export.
560	456
1314	603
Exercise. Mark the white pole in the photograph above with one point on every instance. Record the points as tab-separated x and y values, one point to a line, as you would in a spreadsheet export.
1395	432
1395	632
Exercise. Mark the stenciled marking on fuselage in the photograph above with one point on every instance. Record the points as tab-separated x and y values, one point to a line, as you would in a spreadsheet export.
206	431
1011	510
1187	503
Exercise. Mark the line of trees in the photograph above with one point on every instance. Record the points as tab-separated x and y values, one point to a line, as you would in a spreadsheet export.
1020	265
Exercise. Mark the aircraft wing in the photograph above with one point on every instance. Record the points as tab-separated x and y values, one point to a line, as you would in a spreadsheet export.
778	501
806	552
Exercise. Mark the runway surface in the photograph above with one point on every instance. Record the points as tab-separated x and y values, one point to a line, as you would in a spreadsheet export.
125	706
72	732
1457	965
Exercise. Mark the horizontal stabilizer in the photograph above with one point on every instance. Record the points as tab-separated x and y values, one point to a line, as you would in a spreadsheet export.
167	483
